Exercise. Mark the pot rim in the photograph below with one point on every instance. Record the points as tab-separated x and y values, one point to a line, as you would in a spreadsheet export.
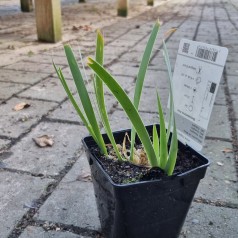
89	139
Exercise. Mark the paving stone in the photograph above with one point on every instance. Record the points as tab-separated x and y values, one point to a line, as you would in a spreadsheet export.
219	125
148	101
46	90
232	83
232	68
86	42
220	182
87	73
18	192
14	123
4	143
73	202
158	63
47	59
120	121
208	28
27	156
9	89
183	33
66	72
112	52
173	43
32	67
223	81
124	69
226	29
209	39
126	82
221	97
138	32
232	56
38	232
210	221
132	56
107	31
15	76
59	52
234	98
155	78
67	112
128	41
208	16
221	14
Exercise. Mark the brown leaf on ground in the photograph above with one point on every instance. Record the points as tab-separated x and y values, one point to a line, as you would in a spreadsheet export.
84	177
84	28
220	164
227	150
21	105
44	140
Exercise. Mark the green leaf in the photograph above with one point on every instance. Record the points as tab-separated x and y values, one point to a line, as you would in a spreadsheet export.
171	105
71	98
100	94
84	97
141	75
128	107
163	139
174	140
144	64
156	143
172	151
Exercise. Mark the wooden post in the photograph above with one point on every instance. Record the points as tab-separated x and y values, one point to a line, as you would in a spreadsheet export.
26	5
122	7
48	20
82	1
150	2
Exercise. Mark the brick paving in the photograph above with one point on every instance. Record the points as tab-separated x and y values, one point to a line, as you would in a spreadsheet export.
40	193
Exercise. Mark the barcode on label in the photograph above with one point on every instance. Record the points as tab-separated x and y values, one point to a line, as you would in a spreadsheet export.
185	47
206	53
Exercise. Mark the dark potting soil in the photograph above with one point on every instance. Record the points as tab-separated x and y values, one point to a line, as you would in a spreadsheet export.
125	172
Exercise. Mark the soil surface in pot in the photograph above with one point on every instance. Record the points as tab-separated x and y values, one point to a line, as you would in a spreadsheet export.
125	172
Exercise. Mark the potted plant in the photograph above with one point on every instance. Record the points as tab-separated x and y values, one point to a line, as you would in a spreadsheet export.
144	178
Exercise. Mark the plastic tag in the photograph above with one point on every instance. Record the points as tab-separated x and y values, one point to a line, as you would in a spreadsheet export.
197	74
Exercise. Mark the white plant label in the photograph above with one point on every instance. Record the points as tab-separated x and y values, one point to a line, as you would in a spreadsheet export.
197	74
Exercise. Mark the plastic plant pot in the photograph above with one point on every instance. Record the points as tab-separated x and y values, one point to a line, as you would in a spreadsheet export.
147	209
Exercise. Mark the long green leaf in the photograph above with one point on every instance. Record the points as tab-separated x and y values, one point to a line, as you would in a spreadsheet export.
172	151
174	140
141	75
100	94
74	103
156	143
163	140
84	97
171	105
128	107
144	64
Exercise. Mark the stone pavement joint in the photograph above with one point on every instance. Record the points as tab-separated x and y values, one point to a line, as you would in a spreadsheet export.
41	193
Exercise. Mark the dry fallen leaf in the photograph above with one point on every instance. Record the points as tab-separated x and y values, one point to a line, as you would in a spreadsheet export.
84	28
169	32
21	105
220	164
227	150
85	177
43	141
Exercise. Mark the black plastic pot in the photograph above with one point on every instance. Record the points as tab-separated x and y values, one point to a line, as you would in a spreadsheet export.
148	209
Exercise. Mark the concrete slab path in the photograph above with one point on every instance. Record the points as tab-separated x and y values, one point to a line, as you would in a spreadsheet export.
41	193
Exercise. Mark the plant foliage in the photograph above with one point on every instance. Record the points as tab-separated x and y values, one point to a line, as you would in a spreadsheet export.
160	150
